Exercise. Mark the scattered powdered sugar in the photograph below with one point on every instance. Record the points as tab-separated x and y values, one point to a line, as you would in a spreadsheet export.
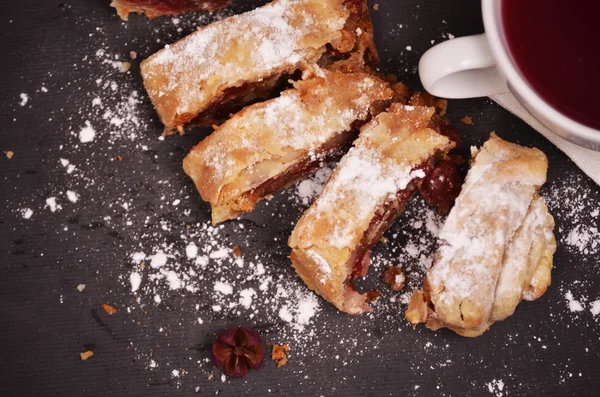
26	213
72	196
158	260
595	308
246	296
52	204
585	238
574	305
496	387
223	288
87	133
135	279
569	200
191	251
285	314
310	188
24	99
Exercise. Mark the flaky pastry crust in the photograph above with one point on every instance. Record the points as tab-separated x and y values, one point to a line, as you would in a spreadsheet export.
331	243
230	63
157	8
496	246
269	145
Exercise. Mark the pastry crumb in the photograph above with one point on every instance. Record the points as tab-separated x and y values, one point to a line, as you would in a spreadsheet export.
279	354
109	309
125	66
9	154
373	295
376	6
467	120
132	55
394	278
237	251
85	355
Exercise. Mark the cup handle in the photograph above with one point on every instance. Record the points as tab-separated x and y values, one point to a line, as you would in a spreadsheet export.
461	68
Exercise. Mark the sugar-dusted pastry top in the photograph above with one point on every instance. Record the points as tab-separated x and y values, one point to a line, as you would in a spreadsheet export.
496	238
267	140
157	8
380	172
208	66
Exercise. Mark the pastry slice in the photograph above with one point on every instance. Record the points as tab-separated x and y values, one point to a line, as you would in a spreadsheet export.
269	145
215	71
332	241
157	8
496	246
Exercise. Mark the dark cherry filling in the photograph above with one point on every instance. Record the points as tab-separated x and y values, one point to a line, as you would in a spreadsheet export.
340	142
235	99
441	186
383	220
449	131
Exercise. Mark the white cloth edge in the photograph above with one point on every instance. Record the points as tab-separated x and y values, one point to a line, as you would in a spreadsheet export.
586	159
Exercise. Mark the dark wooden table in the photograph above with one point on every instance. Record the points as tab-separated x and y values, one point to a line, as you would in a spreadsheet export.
127	185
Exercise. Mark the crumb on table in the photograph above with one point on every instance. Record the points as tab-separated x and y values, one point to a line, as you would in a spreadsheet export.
279	354
109	309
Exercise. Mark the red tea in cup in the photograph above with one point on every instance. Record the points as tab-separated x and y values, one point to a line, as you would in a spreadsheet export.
555	44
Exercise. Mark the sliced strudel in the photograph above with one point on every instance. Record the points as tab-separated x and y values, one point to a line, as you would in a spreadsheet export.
269	145
496	246
157	8
213	72
332	241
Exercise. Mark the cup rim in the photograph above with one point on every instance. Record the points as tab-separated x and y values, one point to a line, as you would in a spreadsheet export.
500	51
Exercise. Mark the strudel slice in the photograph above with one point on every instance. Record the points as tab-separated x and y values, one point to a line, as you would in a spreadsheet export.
270	145
157	8
332	241
496	247
213	72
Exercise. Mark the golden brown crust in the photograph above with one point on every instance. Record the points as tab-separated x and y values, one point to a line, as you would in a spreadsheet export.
221	67
331	242
495	239
355	50
271	144
546	243
153	9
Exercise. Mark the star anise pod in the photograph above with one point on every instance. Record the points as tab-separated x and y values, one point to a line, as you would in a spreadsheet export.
237	349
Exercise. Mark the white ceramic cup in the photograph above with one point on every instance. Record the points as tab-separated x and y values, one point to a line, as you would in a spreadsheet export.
476	66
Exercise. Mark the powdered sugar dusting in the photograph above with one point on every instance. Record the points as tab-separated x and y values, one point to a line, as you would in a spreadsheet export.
268	40
574	305
310	188
87	133
496	387
477	233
